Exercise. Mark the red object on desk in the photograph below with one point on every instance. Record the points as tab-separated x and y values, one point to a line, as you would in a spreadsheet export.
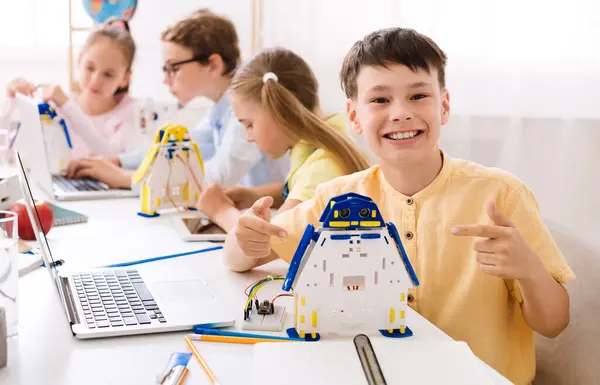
45	212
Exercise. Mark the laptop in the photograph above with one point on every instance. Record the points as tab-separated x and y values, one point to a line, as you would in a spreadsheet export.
109	302
30	143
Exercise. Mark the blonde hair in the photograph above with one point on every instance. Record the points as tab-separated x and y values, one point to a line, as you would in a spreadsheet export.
118	32
206	33
291	98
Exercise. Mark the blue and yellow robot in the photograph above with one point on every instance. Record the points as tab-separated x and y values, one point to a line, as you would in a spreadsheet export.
351	275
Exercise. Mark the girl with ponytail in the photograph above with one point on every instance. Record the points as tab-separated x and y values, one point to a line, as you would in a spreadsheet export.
275	96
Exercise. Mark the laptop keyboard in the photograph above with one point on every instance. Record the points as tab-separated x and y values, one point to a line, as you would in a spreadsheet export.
84	184
116	298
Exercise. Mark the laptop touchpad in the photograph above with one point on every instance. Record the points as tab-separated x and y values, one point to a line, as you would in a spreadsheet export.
177	294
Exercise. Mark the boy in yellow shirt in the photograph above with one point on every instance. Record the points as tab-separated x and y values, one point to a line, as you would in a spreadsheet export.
490	273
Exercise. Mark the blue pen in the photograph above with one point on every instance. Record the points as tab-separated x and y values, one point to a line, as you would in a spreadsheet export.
138	262
218	332
14	138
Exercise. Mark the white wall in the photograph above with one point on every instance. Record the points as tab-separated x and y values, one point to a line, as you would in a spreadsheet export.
504	58
34	44
524	88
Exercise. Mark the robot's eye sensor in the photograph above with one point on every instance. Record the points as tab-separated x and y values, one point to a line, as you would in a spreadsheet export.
364	212
345	212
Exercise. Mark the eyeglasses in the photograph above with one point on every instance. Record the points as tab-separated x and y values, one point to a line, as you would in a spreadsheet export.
171	68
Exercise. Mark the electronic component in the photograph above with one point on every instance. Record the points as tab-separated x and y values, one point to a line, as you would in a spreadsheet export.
266	307
268	322
263	315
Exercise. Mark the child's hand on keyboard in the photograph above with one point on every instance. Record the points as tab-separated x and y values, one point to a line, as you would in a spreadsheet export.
100	169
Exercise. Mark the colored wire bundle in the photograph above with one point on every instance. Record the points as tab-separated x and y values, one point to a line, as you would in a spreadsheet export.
255	287
186	163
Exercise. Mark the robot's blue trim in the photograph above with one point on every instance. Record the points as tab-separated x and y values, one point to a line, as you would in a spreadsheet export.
46	109
293	333
396	333
148	215
394	234
339	237
315	236
66	131
350	212
340	198
295	264
370	236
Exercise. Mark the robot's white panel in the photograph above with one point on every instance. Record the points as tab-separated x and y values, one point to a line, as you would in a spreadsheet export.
351	282
159	173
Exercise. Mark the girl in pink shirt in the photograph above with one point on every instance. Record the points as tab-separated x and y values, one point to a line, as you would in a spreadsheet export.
101	115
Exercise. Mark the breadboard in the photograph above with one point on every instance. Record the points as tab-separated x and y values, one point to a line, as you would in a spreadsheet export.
272	322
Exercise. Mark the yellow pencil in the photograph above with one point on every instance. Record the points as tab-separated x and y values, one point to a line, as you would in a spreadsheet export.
201	361
231	340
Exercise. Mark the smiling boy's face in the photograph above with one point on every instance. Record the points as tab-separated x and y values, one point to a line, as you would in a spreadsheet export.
399	111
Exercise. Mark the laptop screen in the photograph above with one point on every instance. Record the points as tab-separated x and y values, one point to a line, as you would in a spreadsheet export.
36	224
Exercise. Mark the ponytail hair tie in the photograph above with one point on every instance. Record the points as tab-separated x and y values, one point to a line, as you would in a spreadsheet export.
271	76
119	24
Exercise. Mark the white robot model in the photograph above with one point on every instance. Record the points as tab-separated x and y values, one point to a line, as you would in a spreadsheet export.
351	275
172	173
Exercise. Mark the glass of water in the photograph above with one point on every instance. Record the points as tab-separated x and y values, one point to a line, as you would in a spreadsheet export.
9	270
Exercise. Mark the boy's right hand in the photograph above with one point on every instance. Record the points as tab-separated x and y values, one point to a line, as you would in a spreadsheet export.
254	230
21	86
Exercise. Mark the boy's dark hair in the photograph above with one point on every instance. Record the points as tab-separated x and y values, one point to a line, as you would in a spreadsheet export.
392	46
205	33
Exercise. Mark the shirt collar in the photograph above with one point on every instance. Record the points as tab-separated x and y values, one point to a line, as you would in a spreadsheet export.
431	189
220	109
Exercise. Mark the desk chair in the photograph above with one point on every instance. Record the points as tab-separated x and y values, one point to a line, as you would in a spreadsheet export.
572	358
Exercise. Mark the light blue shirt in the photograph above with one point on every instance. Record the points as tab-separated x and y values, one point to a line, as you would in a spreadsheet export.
229	159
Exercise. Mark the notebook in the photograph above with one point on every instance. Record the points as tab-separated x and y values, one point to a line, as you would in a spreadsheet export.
64	217
28	262
27	259
402	361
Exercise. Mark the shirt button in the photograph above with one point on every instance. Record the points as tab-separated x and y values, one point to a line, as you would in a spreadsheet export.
410	298
408	235
409	201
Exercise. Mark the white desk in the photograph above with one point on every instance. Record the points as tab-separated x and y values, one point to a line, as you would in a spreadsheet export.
45	351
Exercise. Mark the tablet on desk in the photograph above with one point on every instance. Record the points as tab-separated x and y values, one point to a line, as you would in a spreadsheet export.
198	229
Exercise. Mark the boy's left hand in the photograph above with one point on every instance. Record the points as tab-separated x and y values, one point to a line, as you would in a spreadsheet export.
501	250
213	200
55	94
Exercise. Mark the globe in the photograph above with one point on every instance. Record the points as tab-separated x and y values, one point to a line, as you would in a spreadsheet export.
100	10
